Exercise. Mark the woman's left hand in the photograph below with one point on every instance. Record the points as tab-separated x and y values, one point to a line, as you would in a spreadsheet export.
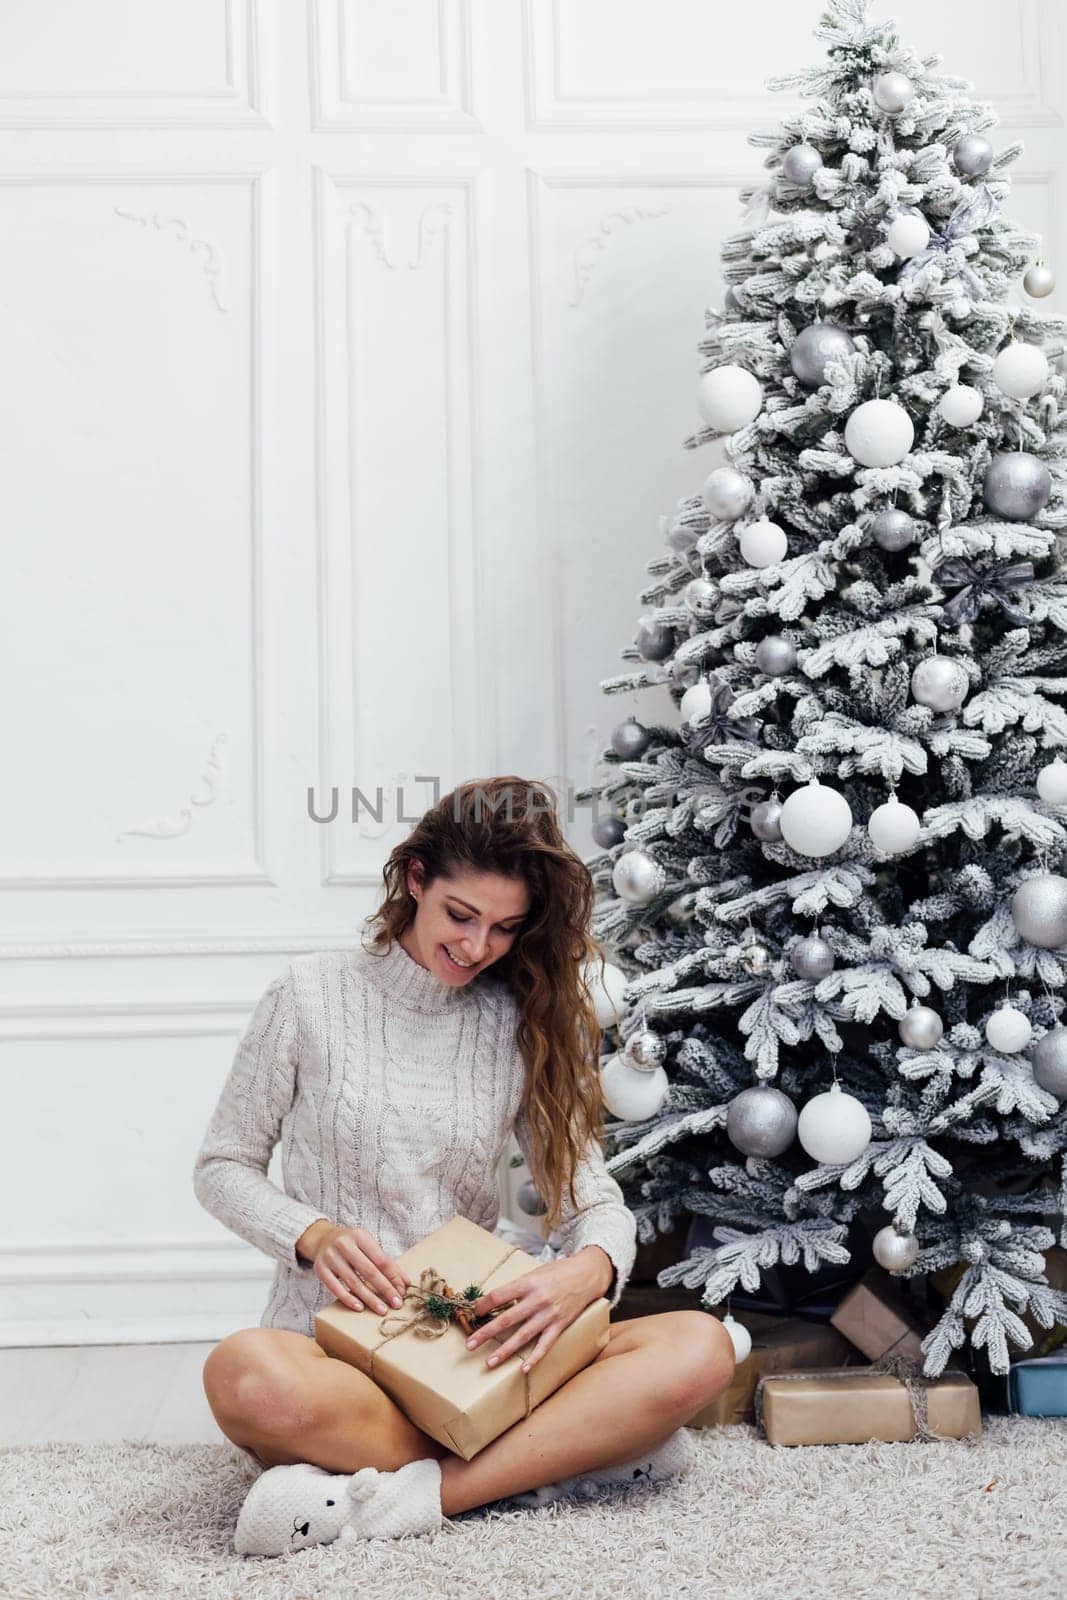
547	1300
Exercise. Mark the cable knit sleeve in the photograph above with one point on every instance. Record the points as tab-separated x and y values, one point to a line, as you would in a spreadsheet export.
230	1175
602	1216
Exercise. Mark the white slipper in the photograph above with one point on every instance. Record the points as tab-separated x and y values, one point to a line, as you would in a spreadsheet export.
666	1460
291	1507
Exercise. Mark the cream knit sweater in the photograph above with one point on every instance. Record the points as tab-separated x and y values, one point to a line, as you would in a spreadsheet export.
393	1094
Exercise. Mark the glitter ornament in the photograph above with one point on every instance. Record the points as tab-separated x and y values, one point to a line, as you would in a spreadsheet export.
814	347
763	544
630	740
1039	910
727	493
908	234
920	1027
800	164
816	820
892	91
1008	1030
729	397
1052	783
775	655
812	958
1020	370
895	1251
834	1128
972	155
879	433
940	683
638	877
892	529
1049	1061
961	405
894	827
761	1121
1016	485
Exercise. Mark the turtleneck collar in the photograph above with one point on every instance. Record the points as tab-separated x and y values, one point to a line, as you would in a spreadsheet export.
406	980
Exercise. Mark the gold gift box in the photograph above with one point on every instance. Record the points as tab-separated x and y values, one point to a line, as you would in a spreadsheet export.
855	1407
441	1386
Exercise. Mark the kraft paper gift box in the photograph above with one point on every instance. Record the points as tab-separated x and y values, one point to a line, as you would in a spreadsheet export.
857	1405
441	1386
777	1347
876	1318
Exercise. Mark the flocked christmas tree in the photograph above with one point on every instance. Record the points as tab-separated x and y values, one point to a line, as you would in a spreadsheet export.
834	884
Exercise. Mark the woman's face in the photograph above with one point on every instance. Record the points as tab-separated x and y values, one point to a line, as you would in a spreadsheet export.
472	918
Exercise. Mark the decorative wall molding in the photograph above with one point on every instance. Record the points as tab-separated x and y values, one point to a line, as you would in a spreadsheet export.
591	250
90	947
337	106
211	262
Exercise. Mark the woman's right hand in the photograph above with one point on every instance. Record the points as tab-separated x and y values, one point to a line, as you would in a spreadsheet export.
348	1255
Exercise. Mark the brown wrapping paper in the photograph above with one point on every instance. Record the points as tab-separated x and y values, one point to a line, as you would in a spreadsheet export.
777	1346
874	1316
857	1406
441	1386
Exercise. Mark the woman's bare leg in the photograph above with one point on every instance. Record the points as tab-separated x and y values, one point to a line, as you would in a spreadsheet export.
652	1376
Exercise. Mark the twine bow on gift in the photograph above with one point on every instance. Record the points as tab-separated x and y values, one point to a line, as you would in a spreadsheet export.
973	582
432	1308
907	1368
973	212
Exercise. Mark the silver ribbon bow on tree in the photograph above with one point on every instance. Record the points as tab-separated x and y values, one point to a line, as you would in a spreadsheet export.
973	582
720	725
971	213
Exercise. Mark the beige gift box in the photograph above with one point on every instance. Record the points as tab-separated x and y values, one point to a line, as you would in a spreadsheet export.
858	1405
441	1386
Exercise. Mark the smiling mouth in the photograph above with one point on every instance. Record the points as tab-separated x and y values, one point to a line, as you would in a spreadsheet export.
458	965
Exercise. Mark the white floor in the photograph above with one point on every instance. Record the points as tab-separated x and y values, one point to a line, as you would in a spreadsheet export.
92	1394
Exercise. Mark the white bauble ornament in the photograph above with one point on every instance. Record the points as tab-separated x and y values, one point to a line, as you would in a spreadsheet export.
1008	1030
892	91
740	1338
834	1127
606	992
727	493
961	405
1020	370
908	234
696	701
729	397
630	1093
894	827
815	820
1052	783
895	1251
763	544
1039	280
638	877
879	433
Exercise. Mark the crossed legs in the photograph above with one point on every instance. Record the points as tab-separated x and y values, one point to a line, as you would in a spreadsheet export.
278	1394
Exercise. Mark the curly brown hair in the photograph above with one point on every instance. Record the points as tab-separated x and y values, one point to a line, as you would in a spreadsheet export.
508	825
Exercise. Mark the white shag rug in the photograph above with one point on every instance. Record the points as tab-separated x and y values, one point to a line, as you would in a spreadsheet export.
983	1519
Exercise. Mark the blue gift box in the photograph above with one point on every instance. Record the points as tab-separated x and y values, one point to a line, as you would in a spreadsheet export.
1038	1388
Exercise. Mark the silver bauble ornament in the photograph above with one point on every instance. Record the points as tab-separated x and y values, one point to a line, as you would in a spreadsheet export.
892	91
761	1121
800	164
765	820
1052	783
920	1027
834	1128
972	155
814	347
608	831
654	642
895	1251
727	493
1049	1060
755	958
940	683
893	530
630	740
527	1199
1016	485
776	655
812	958
645	1050
638	877
701	596
1008	1030
1039	910
1039	280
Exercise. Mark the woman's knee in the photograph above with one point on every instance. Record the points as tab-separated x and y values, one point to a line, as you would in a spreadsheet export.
702	1359
260	1377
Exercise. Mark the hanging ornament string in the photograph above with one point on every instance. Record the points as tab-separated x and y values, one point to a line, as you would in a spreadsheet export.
906	1368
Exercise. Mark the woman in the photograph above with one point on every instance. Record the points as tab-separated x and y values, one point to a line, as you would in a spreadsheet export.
394	1075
